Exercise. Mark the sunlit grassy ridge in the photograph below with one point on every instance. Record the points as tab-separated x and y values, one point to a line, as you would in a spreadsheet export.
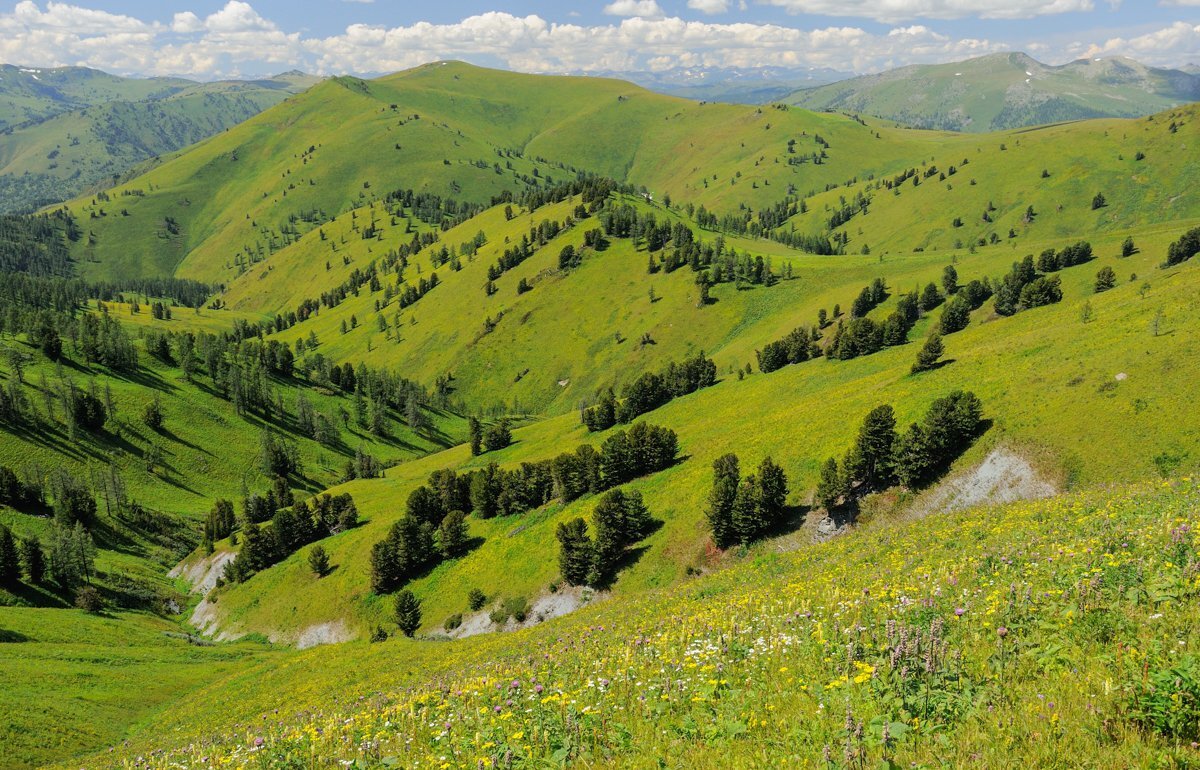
1049	383
1144	169
1022	634
444	128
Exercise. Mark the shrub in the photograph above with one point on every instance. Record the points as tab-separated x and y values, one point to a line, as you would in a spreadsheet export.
88	599
1167	700
453	622
476	599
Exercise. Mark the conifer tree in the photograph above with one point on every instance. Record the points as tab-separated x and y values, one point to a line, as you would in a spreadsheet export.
830	487
726	477
407	612
318	561
929	354
575	551
10	560
34	560
452	534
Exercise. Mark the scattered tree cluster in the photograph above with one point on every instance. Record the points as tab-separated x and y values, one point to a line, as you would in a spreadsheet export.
619	520
650	391
881	457
743	509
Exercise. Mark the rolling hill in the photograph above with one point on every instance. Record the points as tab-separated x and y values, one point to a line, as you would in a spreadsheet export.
1003	91
71	129
586	234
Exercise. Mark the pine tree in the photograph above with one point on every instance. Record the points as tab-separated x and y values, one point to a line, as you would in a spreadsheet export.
1106	279
726	477
452	534
10	560
608	522
34	559
575	551
929	354
773	489
318	560
407	612
830	488
476	431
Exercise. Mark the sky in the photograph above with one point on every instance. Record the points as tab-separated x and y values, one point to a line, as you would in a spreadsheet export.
210	39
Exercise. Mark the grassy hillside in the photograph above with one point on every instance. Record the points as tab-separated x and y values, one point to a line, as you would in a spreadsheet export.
1003	91
1079	399
464	133
1035	628
32	94
1143	169
745	649
88	138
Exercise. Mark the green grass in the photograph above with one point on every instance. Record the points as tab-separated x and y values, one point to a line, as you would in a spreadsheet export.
228	190
1048	382
764	663
1094	406
72	682
91	135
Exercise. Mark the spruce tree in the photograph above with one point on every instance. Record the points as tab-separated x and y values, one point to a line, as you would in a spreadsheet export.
830	487
868	464
1106	279
773	489
726	477
34	560
929	354
10	560
746	517
950	280
575	551
476	437
608	522
318	561
452	534
407	612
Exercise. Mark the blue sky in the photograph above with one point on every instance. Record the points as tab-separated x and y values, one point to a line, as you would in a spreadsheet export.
221	38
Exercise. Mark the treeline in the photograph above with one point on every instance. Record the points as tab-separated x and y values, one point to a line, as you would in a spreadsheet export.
432	526
650	391
37	244
881	457
69	561
290	529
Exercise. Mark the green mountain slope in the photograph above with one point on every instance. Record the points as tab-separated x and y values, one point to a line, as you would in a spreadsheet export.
325	219
74	129
460	132
772	659
1003	91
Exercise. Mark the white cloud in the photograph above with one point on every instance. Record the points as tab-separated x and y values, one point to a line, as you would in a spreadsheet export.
889	11
1169	46
648	9
709	6
236	40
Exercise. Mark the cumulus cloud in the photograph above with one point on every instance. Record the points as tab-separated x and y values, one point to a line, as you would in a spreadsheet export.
644	8
890	11
235	40
709	6
1165	47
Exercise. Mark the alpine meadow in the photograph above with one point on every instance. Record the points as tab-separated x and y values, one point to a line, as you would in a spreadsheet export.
488	417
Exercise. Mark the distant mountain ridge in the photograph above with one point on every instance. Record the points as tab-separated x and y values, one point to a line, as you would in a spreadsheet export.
737	85
64	130
1009	90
